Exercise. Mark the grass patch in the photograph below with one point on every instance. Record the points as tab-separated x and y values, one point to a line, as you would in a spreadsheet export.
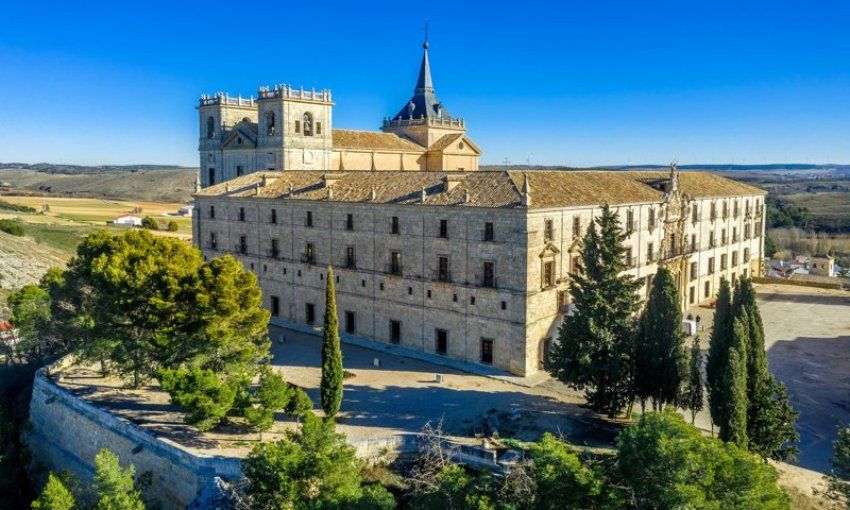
13	227
62	237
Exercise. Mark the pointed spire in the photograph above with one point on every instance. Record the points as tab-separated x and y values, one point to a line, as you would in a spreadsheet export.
424	82
526	191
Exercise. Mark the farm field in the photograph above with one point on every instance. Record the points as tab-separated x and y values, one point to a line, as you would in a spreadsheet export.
52	234
93	211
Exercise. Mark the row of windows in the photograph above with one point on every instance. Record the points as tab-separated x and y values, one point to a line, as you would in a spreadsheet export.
305	125
395	226
441	336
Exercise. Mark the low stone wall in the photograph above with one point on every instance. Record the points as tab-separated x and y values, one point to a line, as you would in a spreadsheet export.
67	432
838	285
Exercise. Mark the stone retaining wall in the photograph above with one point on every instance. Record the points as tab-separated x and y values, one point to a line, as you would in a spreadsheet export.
67	432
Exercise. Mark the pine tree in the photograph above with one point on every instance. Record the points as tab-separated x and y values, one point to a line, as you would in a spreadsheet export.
114	485
55	496
733	385
660	355
596	344
718	351
693	394
331	386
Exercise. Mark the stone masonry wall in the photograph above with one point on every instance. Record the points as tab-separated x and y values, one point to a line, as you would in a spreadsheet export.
67	432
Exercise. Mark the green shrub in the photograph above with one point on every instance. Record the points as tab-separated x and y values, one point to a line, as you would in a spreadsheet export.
12	227
299	402
204	398
172	226
8	206
150	223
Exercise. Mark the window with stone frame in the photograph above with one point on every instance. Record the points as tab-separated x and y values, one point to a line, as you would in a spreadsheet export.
270	125
548	229
548	273
576	226
307	123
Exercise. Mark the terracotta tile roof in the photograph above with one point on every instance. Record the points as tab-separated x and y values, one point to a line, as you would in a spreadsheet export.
353	139
6	326
700	184
485	188
445	141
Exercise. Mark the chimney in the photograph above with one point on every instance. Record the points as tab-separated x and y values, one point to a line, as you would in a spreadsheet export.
329	179
526	191
450	181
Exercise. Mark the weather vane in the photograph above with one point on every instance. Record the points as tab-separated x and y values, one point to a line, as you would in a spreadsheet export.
427	27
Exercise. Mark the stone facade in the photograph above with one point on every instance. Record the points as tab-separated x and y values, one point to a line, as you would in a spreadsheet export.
292	129
471	266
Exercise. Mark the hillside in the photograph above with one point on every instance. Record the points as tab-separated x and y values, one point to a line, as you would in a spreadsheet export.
162	184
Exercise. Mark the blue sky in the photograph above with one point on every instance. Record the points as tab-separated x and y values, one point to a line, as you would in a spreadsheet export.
574	83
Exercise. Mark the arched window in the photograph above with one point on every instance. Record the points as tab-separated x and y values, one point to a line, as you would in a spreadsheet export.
270	123
307	122
211	179
210	127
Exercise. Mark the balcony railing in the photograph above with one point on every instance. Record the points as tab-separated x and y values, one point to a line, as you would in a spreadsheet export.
678	251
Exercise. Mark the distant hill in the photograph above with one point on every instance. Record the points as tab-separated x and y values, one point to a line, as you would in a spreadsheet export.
54	168
136	182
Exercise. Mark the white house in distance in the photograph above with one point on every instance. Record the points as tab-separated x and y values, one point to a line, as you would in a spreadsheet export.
186	211
127	221
822	265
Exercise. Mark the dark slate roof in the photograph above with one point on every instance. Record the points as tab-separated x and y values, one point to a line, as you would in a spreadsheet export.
424	101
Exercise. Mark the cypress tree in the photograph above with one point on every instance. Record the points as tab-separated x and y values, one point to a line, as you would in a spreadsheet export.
718	351
770	416
331	385
693	395
595	348
733	385
660	357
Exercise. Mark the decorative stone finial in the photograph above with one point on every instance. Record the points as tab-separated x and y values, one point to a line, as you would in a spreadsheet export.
330	193
423	195
674	177
466	197
373	195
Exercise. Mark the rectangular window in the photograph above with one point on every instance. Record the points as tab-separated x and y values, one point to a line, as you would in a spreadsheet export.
350	259
734	234
275	248
746	256
395	332
318	128
563	301
310	313
707	291
211	175
628	255
309	254
443	274
349	222
650	252
394	225
549	273
442	341
444	229
694	214
350	325
212	212
213	241
723	237
489	275
241	214
725	210
309	221
395	262
487	351
723	262
275	306
630	221
747	231
694	273
734	258
692	295
576	263
274	216
711	239
239	171
243	244
488	231
651	219
548	230
297	126
576	226
545	347
711	265
713	211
